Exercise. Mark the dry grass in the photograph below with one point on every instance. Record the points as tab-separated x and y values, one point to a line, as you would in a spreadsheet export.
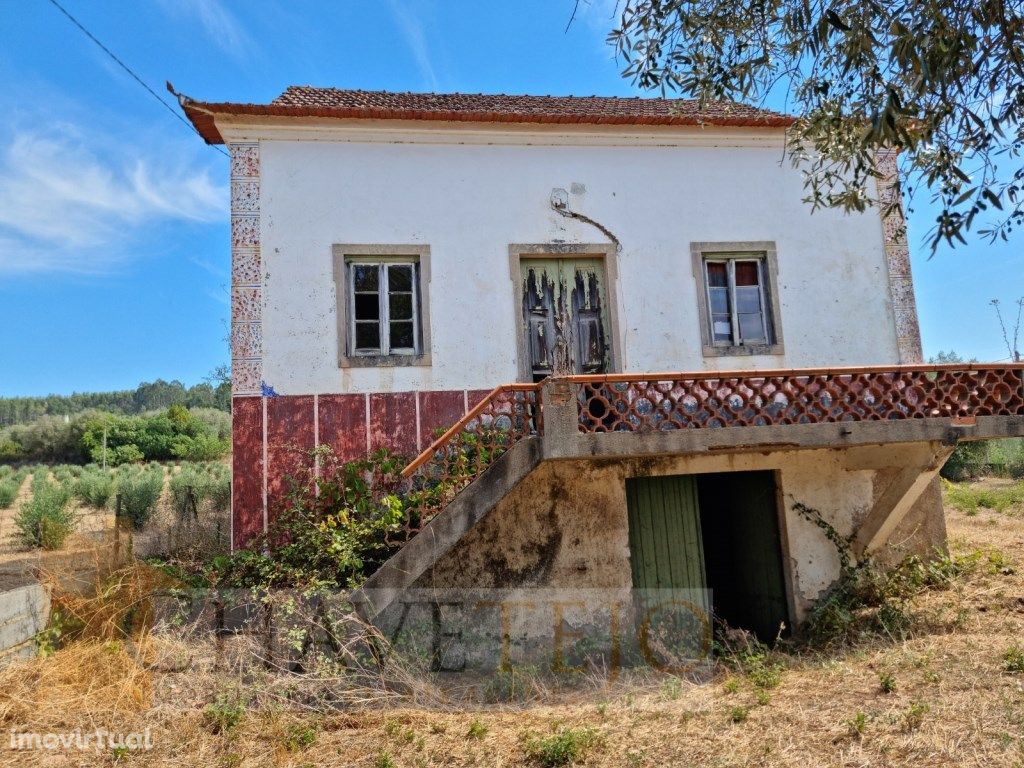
953	701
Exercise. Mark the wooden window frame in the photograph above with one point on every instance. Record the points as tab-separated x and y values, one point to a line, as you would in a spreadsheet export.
764	252
345	258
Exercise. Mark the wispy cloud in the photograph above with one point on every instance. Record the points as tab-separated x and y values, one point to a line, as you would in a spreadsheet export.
63	208
598	18
217	21
412	31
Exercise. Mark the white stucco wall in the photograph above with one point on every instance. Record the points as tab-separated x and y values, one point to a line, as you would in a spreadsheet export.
469	202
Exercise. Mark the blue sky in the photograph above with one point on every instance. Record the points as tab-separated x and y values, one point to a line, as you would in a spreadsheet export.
113	217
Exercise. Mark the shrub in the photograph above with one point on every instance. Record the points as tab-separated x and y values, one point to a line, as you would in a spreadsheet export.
140	493
8	493
565	747
330	530
44	520
95	488
968	460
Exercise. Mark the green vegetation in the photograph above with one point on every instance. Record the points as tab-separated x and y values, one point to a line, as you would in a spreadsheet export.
330	530
224	714
95	487
140	490
969	500
739	714
44	520
1000	458
196	483
477	730
886	682
10	483
564	747
202	434
1013	659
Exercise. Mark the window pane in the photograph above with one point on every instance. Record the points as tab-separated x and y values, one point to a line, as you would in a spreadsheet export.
720	300
748	300
367	306
368	336
400	277
722	326
751	327
746	273
717	277
365	277
400	306
401	336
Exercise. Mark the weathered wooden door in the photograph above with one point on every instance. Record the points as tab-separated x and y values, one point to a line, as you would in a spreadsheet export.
666	550
565	320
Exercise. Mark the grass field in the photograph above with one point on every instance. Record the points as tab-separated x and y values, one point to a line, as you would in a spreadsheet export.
948	693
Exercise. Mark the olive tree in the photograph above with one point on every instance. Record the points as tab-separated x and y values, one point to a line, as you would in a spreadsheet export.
940	80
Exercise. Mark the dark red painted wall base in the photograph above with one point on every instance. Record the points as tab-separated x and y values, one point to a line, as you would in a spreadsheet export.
272	437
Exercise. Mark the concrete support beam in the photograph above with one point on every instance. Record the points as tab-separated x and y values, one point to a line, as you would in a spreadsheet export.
902	492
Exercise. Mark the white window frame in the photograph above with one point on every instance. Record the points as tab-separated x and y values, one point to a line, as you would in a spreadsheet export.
383	307
730	270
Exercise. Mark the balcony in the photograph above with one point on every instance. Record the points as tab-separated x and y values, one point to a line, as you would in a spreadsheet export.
650	414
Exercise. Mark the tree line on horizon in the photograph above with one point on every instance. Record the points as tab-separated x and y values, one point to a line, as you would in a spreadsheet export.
158	395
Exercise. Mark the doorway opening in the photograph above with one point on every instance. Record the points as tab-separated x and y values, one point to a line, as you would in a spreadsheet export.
715	535
743	551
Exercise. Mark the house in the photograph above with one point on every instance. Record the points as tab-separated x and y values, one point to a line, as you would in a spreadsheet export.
687	377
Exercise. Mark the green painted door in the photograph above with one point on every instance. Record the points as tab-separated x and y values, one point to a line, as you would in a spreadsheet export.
564	301
665	547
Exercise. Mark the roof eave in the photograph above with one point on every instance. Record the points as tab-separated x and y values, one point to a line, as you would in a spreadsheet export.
203	117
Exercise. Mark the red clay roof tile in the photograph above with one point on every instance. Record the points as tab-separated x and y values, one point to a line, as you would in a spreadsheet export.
307	101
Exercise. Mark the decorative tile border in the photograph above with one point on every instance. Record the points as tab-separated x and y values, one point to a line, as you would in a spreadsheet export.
246	271
897	256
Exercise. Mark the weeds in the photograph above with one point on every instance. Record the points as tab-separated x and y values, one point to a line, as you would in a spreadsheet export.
739	714
564	747
886	682
1013	659
223	715
299	736
857	725
969	500
913	717
477	730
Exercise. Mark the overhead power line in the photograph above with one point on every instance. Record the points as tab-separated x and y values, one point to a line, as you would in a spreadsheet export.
131	72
